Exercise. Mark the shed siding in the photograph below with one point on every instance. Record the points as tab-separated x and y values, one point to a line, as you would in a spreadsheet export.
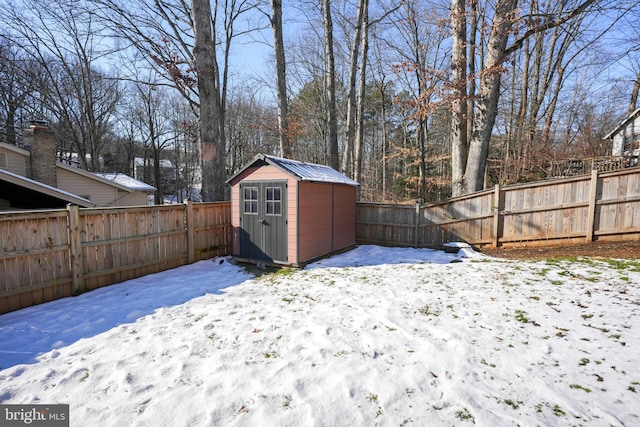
315	206
292	218
344	218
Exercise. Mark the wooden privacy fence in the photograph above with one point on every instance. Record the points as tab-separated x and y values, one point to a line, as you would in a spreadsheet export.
577	209
46	255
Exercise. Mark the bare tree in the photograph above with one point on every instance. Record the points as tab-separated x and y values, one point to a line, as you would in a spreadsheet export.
79	97
16	84
190	44
504	21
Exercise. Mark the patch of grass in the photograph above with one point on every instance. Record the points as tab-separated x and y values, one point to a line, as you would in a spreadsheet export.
556	282
287	402
514	405
623	264
521	316
464	414
542	271
428	311
583	362
557	410
579	387
484	362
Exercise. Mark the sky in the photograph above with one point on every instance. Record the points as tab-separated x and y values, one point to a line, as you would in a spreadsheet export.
374	336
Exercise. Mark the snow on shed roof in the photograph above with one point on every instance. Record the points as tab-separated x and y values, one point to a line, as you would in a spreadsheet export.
301	171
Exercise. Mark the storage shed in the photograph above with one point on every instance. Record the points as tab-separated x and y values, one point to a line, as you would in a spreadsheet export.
289	212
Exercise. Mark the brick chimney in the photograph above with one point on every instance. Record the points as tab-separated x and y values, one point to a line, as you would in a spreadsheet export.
41	141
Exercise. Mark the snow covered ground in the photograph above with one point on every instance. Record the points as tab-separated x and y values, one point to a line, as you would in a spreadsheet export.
375	336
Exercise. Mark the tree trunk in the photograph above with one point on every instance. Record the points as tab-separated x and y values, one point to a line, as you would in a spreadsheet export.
362	86
351	96
330	86
281	80
488	94
212	150
459	97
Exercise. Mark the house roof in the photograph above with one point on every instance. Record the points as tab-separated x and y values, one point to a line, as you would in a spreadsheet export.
47	190
623	124
301	171
120	182
126	181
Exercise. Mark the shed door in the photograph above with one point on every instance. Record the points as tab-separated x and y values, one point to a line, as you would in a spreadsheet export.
263	220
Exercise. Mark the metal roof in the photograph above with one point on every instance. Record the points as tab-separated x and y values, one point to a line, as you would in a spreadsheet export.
301	171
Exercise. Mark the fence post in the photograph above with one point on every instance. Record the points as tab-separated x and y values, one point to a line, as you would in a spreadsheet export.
496	216
191	233
416	231
591	215
75	249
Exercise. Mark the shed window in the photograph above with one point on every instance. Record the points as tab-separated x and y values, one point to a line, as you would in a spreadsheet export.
274	201
251	200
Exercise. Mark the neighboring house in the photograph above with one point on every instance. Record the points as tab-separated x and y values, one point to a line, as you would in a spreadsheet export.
33	178
143	170
626	138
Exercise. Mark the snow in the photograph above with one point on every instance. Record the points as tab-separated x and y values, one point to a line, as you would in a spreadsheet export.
374	336
126	181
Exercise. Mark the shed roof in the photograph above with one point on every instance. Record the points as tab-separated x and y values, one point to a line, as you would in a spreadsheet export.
301	171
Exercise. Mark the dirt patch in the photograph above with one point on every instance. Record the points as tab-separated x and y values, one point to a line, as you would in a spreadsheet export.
597	249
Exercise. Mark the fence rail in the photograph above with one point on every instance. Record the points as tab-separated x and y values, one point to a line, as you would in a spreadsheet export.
577	209
46	255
